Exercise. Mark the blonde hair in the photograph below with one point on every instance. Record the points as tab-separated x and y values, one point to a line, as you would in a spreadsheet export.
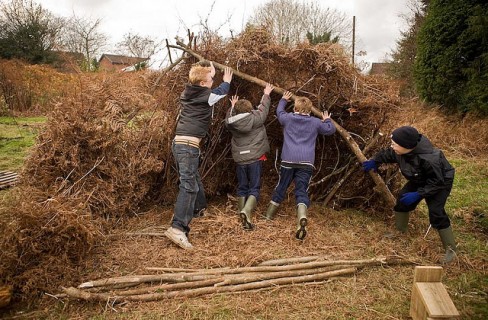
199	71
303	105
243	106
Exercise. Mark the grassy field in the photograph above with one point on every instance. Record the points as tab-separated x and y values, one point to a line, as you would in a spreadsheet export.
17	135
376	293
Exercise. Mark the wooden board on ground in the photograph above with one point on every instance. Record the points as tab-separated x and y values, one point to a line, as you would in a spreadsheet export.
8	179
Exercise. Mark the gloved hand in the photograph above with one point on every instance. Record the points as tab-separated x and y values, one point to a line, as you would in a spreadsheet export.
370	165
410	198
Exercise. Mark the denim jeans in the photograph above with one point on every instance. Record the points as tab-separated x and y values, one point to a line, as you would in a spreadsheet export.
249	179
191	195
301	177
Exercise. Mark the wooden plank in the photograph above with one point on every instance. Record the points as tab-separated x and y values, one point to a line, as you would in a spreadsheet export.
427	274
436	300
8	179
417	309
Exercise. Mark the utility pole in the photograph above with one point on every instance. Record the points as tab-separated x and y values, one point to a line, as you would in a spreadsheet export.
353	36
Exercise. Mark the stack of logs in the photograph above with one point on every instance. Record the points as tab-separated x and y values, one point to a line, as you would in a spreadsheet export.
177	282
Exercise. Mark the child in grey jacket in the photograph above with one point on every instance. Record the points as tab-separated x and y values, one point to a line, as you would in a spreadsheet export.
249	147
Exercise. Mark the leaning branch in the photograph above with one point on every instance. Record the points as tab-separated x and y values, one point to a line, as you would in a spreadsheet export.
382	188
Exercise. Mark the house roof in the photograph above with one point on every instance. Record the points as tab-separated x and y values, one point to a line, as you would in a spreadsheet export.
124	60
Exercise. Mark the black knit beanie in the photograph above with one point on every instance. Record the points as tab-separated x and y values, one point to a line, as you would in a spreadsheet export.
406	137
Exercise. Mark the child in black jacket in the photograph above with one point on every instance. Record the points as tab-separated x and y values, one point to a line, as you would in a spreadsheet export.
430	177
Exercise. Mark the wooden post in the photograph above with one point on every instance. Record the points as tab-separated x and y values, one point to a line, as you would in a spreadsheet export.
353	37
169	52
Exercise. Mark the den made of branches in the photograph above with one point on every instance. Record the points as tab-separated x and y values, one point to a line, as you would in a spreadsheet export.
105	153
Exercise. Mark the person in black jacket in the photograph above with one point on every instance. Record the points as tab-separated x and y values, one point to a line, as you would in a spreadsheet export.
249	147
430	177
197	101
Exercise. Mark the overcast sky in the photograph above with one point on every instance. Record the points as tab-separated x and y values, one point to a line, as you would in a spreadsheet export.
377	21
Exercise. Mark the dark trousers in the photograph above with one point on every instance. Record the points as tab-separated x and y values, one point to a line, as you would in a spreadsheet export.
191	196
249	179
437	214
301	177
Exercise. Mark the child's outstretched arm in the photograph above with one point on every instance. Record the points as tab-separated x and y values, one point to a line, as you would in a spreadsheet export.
263	108
233	101
222	90
227	75
280	110
269	87
325	115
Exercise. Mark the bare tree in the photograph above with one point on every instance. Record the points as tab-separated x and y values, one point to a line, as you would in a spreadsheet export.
137	46
290	21
82	35
27	31
404	55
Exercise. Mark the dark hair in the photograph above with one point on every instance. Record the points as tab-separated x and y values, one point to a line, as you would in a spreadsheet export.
243	106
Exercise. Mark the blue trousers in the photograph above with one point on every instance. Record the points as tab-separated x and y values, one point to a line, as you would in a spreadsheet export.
301	177
249	179
191	195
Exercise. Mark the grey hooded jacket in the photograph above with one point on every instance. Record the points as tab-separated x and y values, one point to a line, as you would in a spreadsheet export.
249	139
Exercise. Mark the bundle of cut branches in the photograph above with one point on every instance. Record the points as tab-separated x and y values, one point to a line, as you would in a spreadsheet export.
175	283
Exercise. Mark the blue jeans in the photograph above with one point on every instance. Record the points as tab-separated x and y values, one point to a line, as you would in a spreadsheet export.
191	196
301	177
249	179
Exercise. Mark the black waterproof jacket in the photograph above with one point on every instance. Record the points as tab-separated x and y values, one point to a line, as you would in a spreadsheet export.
425	166
197	108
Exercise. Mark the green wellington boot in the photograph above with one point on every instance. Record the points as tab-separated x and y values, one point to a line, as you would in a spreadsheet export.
301	221
241	202
401	221
447	238
272	208
401	225
246	213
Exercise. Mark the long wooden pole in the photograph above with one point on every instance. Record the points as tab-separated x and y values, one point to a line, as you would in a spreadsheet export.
382	188
80	294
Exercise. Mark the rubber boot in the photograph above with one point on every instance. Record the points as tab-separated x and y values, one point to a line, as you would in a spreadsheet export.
401	221
272	208
246	213
301	221
401	225
447	238
241	201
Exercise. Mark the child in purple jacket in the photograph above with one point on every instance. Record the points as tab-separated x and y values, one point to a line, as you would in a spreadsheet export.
300	131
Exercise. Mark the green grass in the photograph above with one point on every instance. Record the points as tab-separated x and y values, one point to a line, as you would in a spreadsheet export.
469	196
17	136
